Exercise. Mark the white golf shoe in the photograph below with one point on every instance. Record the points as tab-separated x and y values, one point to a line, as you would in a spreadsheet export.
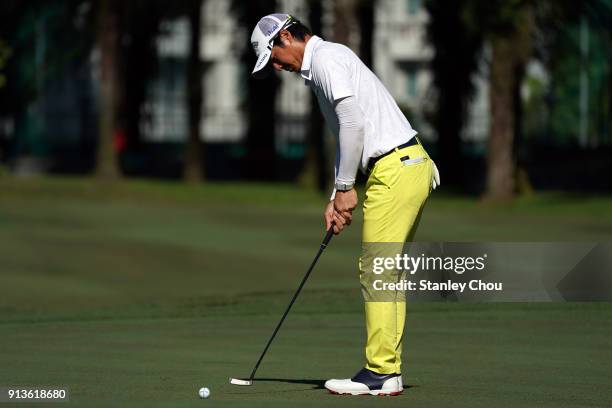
367	382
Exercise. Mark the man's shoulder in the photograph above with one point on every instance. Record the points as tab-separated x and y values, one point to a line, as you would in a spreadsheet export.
326	49
332	55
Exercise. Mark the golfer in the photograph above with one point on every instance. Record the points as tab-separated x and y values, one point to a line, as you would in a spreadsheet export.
372	135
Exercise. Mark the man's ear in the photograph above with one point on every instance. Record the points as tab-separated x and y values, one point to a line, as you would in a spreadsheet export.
286	37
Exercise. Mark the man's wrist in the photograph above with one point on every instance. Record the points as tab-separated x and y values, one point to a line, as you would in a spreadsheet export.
342	187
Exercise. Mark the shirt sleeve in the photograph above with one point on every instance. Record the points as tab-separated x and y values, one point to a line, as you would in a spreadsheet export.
350	140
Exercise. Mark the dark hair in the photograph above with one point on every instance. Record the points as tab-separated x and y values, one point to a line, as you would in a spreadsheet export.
298	30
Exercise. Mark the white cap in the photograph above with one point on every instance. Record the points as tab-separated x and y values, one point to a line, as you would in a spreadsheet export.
263	36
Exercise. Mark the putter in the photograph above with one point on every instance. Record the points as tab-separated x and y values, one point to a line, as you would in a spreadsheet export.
328	237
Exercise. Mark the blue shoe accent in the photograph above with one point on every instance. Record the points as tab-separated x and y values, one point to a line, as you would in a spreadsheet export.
372	380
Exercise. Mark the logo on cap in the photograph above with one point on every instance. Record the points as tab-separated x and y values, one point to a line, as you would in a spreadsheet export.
271	29
255	45
260	62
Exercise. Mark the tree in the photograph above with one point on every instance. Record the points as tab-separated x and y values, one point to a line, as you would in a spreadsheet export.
107	166
194	151
30	32
510	39
315	161
260	159
141	24
459	31
457	45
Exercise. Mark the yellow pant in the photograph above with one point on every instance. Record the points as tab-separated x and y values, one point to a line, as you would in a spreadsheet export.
394	198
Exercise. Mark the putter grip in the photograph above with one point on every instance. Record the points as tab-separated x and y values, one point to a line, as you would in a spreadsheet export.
328	236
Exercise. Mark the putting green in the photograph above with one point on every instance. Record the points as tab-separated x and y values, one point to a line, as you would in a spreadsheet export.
140	293
545	355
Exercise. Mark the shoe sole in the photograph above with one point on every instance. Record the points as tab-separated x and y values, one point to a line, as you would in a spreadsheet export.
378	393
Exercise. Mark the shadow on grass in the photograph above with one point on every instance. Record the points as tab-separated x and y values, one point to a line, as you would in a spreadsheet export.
318	384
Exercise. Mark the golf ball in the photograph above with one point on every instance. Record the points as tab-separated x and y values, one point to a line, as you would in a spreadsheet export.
204	392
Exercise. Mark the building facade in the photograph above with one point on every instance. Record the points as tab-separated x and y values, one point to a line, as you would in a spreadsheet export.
400	58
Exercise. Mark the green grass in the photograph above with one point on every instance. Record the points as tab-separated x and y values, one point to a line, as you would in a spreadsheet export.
137	293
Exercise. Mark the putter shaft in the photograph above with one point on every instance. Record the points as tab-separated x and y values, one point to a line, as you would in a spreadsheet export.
326	240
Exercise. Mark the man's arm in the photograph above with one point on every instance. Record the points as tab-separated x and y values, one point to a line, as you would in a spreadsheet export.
350	149
351	134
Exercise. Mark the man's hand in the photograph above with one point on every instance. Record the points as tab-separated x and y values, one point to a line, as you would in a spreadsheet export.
340	210
333	217
345	202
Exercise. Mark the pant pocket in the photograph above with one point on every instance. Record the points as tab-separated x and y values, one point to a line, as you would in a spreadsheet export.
416	160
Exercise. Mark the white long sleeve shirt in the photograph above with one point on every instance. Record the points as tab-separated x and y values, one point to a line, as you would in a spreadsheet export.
351	129
346	88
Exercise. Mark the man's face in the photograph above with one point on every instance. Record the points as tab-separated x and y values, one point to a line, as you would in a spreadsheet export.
287	57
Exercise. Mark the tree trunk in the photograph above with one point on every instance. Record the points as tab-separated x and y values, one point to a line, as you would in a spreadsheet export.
510	53
315	171
260	161
365	15
107	164
194	150
346	24
500	163
457	46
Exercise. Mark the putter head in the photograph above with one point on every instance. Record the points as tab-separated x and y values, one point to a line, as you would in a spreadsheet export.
237	381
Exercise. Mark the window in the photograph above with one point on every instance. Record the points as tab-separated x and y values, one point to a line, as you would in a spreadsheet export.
411	83
413	6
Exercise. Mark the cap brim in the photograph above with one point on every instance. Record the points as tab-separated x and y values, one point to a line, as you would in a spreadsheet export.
262	66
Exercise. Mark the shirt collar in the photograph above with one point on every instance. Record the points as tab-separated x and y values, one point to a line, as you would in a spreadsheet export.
307	60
